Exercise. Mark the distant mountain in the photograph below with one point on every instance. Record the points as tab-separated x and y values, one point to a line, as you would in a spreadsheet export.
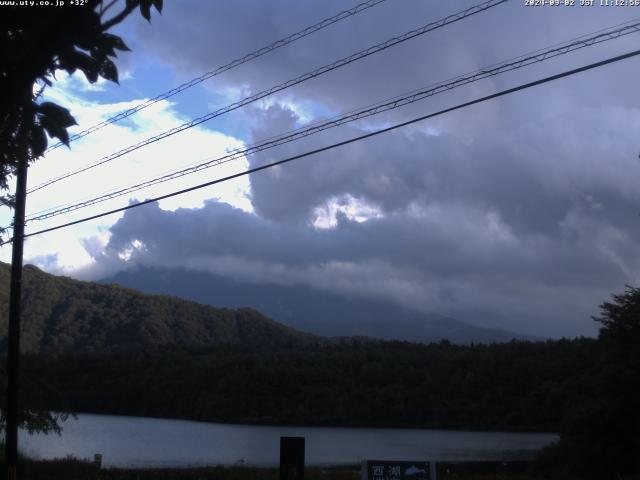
66	315
309	309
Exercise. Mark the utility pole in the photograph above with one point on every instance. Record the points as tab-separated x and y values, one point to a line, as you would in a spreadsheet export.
13	353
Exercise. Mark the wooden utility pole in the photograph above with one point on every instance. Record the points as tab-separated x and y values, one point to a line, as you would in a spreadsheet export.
13	352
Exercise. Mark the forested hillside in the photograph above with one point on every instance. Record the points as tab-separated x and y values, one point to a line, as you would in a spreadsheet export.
108	349
510	386
313	310
63	315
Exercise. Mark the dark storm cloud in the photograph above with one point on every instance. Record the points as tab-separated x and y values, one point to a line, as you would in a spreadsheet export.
538	235
524	209
198	36
443	241
451	259
531	176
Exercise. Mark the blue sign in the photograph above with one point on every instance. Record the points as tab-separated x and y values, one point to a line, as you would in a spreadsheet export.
392	470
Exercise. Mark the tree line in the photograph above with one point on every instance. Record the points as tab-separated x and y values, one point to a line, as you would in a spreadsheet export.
512	386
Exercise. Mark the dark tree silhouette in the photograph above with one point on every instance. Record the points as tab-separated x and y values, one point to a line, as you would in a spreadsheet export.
601	435
35	42
621	321
620	376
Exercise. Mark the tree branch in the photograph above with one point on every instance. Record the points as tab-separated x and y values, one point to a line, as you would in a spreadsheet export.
119	17
104	9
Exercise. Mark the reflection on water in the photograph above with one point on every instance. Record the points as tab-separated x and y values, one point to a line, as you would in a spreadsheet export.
146	442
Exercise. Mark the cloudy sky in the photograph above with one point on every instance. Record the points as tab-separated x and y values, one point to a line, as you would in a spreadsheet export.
521	212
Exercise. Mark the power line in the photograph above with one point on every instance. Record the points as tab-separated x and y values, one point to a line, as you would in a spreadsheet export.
234	63
416	95
302	78
345	142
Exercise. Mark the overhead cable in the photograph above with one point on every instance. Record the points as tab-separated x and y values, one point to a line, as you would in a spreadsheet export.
302	78
345	142
412	97
234	63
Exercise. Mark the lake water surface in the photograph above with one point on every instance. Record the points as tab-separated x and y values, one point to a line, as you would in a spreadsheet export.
148	442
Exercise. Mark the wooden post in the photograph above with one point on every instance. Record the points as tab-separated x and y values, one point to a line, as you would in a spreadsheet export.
291	458
13	352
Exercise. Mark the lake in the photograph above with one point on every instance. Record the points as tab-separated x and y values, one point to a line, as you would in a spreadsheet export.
149	442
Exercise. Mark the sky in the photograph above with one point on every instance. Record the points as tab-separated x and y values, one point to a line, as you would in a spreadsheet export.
521	212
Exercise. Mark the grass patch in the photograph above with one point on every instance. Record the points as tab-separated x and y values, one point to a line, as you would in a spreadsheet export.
74	469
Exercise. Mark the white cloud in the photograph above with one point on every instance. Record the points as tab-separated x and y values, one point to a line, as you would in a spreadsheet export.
327	215
175	152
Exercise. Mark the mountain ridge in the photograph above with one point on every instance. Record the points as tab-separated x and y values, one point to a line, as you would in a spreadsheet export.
312	310
61	314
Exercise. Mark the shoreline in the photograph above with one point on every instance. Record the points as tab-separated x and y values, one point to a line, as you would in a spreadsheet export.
144	442
72	416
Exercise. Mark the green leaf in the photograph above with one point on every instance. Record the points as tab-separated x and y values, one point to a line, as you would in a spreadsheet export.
116	42
38	141
158	5
55	131
65	61
55	120
109	71
91	74
145	9
8	200
55	113
102	50
72	59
